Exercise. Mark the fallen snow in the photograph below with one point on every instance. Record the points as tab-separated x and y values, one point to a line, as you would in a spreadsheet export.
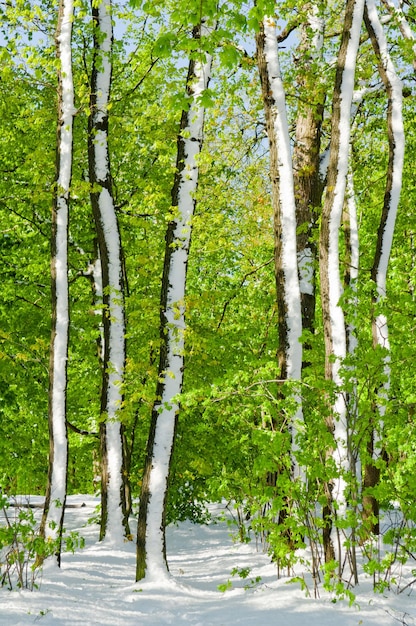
95	586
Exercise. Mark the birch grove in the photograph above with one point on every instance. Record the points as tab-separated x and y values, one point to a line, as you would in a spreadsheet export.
267	366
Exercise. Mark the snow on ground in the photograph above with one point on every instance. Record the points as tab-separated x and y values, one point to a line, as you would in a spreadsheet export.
95	586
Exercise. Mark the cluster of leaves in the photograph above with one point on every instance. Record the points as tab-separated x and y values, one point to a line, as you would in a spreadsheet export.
243	573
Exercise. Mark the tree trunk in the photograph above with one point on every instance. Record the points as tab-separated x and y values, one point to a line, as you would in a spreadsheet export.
151	548
351	263
284	211
285	254
331	288
306	153
385	233
53	513
114	524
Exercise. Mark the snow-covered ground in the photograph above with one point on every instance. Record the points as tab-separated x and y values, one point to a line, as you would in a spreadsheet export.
96	586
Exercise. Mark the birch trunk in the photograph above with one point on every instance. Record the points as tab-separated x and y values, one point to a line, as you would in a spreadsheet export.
113	508
53	514
331	287
151	548
284	210
385	233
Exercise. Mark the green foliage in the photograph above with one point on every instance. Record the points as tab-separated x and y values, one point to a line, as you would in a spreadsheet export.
243	573
336	587
23	549
233	440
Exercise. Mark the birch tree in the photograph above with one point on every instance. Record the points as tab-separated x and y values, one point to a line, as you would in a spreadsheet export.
151	548
331	286
113	507
54	508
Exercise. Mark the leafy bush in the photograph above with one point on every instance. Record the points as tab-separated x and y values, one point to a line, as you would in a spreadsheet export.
23	549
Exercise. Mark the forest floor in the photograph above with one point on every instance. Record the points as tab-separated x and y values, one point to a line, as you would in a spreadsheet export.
95	586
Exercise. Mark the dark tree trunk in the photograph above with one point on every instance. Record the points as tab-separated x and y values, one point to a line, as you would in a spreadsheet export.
53	513
151	544
113	474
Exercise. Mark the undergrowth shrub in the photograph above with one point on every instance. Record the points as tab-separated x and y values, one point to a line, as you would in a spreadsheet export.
23	549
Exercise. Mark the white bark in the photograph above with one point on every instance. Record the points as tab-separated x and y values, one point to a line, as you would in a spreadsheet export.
59	347
288	216
168	405
115	366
